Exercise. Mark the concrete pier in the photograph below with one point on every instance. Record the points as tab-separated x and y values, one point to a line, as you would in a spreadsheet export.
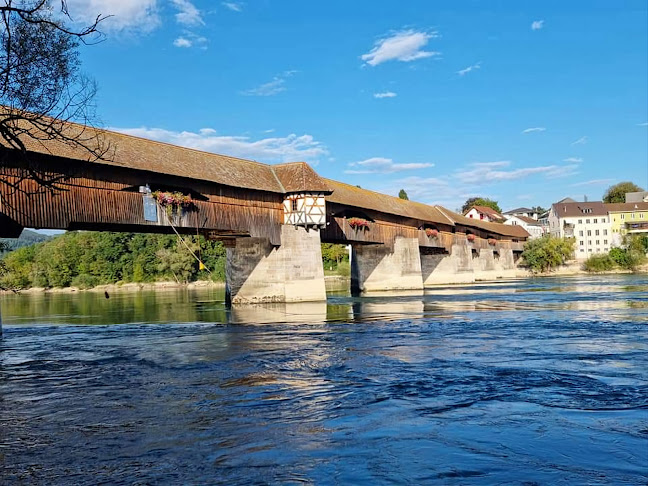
258	272
381	268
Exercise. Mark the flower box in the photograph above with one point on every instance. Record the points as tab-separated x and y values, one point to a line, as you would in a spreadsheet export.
471	237
492	241
431	233
358	223
173	201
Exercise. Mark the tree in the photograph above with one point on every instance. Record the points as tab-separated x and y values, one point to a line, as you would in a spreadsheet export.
480	201
617	192
538	209
403	195
41	86
545	253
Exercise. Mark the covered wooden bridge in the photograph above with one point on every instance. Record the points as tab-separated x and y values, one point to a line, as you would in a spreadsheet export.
272	218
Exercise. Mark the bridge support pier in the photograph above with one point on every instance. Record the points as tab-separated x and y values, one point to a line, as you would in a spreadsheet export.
453	268
258	272
376	268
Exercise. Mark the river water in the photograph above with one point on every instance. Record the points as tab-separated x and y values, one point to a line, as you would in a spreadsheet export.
539	381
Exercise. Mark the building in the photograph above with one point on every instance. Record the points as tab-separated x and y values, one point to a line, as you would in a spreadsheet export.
526	212
484	213
587	222
627	218
532	226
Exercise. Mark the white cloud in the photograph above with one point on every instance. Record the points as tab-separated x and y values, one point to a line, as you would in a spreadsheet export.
534	129
271	88
594	182
189	39
537	24
405	46
386	94
645	124
463	72
580	141
182	42
573	160
234	6
127	16
485	172
187	14
381	165
276	149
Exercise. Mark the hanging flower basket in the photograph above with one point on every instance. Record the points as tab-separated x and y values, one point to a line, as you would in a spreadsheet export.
431	233
470	237
492	241
358	223
172	202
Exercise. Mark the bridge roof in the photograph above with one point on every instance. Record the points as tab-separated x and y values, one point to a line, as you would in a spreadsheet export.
362	198
130	152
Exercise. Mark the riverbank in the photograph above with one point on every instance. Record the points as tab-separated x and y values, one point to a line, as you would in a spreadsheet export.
125	287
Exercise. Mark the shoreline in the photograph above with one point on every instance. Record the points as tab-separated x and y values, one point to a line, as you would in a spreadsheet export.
572	269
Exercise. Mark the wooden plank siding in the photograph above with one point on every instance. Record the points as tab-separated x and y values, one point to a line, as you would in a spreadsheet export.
108	198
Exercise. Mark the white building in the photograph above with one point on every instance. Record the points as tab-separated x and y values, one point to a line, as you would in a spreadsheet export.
587	222
533	227
526	212
484	213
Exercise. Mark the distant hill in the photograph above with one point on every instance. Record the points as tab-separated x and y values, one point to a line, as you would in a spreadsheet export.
27	238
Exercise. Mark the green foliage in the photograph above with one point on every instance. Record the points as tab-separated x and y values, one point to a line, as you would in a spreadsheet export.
480	201
334	255
617	192
602	262
539	209
87	259
403	195
548	252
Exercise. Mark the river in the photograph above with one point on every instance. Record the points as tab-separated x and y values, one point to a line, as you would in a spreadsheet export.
537	381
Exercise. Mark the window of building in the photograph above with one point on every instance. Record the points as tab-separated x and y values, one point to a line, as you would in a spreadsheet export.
595	221
623	216
589	243
604	232
294	204
603	220
581	242
589	232
580	221
580	233
597	232
590	250
587	221
582	251
598	242
634	215
605	243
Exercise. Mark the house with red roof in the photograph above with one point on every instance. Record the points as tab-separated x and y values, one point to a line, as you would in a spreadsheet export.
484	213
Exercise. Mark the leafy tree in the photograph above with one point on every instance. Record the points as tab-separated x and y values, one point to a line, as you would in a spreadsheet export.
548	252
480	201
538	209
403	195
333	255
41	84
617	192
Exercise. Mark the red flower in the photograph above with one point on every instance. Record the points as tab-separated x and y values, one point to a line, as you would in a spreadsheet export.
470	237
431	233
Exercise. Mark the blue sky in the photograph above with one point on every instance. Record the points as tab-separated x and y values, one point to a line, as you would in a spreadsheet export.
526	102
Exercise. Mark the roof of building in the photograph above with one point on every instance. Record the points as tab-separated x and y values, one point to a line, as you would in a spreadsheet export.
513	231
128	151
641	196
575	209
520	210
299	177
566	200
527	220
490	212
627	207
362	198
